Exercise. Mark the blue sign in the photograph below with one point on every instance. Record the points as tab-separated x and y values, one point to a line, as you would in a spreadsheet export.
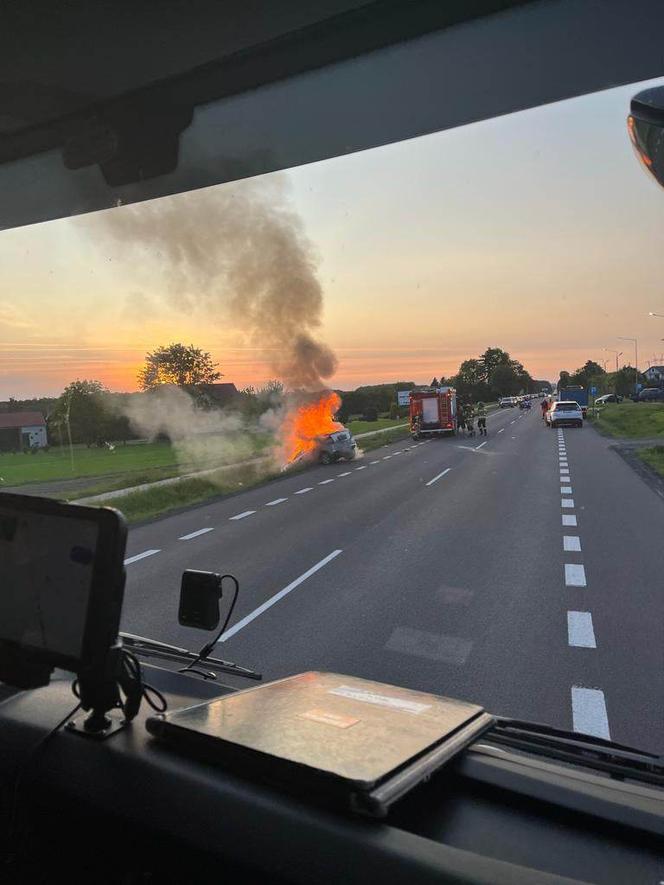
593	391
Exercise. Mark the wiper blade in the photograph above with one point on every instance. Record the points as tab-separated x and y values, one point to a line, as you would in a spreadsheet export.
571	746
152	648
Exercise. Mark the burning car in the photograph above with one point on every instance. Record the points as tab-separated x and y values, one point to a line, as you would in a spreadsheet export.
336	446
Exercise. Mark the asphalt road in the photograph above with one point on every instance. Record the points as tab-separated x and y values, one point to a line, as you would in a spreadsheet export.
522	571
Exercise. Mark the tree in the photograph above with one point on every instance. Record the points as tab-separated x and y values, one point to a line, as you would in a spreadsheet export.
81	411
587	374
563	380
434	382
178	364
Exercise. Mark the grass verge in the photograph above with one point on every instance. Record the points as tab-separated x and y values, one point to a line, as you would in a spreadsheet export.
150	503
631	420
653	458
382	439
356	427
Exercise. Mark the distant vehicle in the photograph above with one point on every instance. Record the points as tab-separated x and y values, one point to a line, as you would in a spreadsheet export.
565	412
505	402
608	398
525	403
575	393
650	395
337	446
433	412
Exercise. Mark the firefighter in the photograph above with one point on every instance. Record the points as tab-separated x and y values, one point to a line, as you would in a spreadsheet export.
470	421
481	419
545	406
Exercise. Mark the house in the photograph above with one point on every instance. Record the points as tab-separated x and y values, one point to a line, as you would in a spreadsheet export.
655	375
22	430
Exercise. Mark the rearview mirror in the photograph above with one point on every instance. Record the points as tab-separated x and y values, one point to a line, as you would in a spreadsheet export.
645	125
200	593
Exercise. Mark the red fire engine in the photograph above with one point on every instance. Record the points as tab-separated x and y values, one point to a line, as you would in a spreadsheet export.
432	411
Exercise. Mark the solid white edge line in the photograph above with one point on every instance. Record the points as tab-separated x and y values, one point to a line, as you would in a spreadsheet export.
277	596
436	478
569	519
141	556
580	632
276	501
194	534
575	575
572	543
242	515
589	712
302	491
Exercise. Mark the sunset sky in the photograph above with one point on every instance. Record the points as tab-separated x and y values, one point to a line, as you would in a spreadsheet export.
536	232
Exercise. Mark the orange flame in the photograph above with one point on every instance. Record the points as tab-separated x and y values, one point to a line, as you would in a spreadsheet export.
303	425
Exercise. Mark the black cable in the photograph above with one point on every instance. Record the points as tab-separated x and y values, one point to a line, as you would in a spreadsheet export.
152	696
27	763
209	646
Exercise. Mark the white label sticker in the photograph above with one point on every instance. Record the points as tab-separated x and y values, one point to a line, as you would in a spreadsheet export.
381	700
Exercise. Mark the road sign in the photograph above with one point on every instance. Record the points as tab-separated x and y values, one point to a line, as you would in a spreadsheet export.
403	397
593	391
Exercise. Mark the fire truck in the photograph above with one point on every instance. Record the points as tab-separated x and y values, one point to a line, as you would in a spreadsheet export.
432	411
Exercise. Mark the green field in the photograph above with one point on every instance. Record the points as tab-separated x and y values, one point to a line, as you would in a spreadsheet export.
356	427
654	458
137	463
631	420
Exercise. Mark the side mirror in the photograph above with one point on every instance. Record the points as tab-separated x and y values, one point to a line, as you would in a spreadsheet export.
200	593
645	125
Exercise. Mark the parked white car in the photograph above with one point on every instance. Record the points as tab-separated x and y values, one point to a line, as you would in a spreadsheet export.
566	412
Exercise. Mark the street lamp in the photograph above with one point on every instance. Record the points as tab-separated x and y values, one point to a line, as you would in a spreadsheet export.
636	359
617	353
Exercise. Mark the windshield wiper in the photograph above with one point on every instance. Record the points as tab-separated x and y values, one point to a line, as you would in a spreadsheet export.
152	648
571	746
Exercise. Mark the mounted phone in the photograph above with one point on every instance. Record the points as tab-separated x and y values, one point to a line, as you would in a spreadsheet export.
61	587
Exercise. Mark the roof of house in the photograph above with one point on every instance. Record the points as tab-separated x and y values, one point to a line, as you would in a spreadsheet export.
9	420
655	369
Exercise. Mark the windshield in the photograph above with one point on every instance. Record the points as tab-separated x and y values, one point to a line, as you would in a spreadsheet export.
189	360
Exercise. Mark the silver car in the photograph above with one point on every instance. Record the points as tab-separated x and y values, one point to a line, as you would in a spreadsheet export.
337	446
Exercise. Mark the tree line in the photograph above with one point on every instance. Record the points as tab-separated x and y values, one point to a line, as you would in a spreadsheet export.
591	374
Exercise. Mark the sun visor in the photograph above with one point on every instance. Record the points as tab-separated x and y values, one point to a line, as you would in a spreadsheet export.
521	57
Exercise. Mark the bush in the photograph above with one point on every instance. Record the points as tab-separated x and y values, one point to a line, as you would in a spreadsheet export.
394	411
370	414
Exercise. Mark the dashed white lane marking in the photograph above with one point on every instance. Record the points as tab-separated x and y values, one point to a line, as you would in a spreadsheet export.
502	430
580	631
512	422
436	478
140	556
569	520
566	490
374	462
397	453
386	457
277	596
567	502
243	514
589	712
347	473
572	543
575	575
275	502
194	534
564	469
304	491
363	467
563	463
480	445
324	482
